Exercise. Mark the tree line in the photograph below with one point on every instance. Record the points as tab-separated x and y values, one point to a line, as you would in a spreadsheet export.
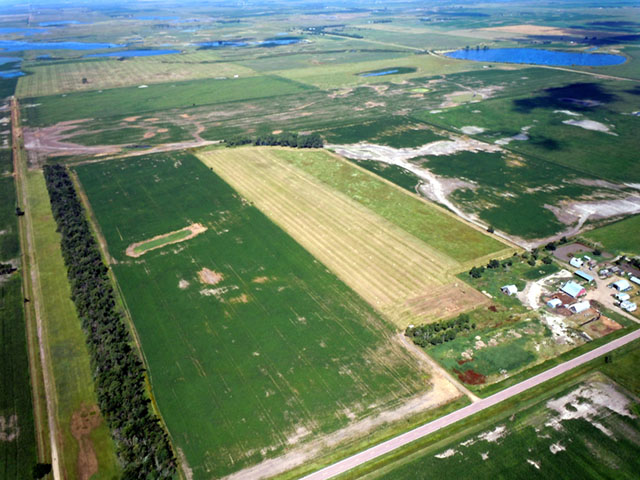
141	442
439	332
286	139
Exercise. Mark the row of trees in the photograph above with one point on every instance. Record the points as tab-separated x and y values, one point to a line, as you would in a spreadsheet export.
141	442
439	332
286	139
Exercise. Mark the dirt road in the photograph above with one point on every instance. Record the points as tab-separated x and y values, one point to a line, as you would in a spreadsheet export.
406	438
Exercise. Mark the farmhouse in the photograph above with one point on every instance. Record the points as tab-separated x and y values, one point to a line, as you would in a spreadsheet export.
584	276
554	303
576	262
580	307
622	285
573	289
628	306
509	289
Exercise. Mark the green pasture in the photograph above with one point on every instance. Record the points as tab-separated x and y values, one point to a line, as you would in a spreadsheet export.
393	173
6	162
18	455
435	227
151	244
619	237
526	445
155	97
274	350
68	359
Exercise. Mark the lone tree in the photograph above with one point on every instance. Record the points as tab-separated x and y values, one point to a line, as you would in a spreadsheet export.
41	469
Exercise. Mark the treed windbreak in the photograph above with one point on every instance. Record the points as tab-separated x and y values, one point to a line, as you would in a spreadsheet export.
141	442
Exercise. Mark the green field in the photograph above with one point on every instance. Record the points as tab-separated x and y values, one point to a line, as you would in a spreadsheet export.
134	100
273	348
6	162
17	434
66	351
619	237
589	430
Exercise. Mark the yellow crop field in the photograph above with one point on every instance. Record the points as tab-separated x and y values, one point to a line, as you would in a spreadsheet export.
111	73
400	275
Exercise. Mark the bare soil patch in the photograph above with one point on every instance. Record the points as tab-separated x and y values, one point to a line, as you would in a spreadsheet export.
260	280
131	119
533	30
471	377
194	228
83	422
9	430
209	276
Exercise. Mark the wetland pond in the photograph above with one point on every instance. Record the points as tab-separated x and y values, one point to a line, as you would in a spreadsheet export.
133	53
535	56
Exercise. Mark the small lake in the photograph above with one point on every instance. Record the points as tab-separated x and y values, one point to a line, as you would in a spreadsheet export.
133	53
11	74
61	23
18	45
535	56
269	42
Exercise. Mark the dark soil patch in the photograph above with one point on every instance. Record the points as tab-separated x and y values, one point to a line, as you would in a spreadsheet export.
471	377
83	422
493	308
463	361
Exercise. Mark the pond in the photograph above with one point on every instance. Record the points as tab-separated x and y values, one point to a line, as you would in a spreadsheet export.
133	53
21	31
269	42
535	56
19	45
61	23
387	71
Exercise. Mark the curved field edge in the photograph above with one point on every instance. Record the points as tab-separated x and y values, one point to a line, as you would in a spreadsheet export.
302	352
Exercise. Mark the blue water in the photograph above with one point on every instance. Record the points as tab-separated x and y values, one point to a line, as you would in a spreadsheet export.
11	74
18	45
61	23
269	42
133	53
537	57
151	17
22	31
379	74
4	60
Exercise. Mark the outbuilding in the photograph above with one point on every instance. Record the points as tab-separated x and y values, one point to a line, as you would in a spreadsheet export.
580	307
622	285
584	276
623	297
629	306
576	262
635	280
554	303
573	289
509	290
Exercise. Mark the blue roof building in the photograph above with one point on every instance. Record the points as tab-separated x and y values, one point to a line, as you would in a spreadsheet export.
573	289
584	276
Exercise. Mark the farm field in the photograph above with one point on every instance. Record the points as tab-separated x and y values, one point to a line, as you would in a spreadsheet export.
77	419
17	435
66	77
356	236
163	96
587	430
619	237
240	323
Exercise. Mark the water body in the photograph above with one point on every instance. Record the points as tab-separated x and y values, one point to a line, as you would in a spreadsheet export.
133	53
379	74
535	56
61	23
11	74
22	31
269	42
4	60
19	45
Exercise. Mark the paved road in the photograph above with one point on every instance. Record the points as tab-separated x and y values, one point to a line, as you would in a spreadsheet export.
424	430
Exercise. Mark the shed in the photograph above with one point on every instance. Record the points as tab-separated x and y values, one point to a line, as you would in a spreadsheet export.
635	280
628	306
554	303
573	289
580	307
623	297
509	289
622	285
576	262
584	276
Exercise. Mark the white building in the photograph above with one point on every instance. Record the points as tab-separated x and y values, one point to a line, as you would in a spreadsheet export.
580	307
554	303
576	262
623	297
622	285
629	306
509	290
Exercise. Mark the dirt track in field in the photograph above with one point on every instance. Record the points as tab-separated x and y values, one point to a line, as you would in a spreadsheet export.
194	228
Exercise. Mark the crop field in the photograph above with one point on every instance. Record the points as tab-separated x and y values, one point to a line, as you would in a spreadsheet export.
135	100
375	246
6	162
17	435
65	77
85	446
589	430
619	237
240	324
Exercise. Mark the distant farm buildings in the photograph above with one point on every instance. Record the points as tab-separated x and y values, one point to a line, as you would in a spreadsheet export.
509	290
573	289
